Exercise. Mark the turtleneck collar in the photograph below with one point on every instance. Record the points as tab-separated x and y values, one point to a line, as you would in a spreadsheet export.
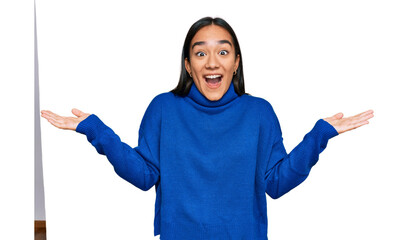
198	97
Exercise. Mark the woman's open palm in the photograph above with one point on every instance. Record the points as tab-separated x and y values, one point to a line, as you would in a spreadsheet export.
67	123
345	124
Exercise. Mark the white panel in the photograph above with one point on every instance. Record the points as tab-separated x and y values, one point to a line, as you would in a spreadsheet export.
39	203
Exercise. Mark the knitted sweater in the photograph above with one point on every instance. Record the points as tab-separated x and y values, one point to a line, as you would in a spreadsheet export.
212	162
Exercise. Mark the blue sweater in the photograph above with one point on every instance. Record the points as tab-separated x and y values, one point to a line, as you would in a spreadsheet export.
212	162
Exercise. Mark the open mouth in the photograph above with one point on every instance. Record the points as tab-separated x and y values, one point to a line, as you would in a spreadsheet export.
213	81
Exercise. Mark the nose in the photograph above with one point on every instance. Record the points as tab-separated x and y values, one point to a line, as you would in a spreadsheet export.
212	62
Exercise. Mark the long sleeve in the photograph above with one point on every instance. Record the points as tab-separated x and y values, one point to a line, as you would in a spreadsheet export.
286	171
139	165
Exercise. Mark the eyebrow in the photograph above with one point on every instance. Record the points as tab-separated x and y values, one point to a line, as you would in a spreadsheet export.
219	42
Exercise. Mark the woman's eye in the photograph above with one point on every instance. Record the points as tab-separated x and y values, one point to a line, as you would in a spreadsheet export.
200	54
223	52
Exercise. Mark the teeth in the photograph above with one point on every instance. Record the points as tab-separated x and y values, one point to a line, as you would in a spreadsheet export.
213	76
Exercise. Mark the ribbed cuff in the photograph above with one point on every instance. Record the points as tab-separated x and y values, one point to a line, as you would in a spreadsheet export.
90	126
324	130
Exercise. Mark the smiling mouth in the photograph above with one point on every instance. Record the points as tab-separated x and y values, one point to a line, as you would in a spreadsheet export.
213	81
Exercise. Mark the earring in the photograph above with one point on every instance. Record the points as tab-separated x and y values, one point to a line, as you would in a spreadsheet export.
190	74
235	72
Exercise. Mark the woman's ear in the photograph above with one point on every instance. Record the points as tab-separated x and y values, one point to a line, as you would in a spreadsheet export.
187	66
237	60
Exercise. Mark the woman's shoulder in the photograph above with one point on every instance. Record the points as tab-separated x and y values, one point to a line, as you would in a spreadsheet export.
262	107
161	98
156	105
164	96
258	102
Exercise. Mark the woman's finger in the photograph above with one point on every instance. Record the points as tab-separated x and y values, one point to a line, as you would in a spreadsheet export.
47	115
55	123
53	115
358	124
367	117
77	112
338	116
364	116
334	117
45	112
364	113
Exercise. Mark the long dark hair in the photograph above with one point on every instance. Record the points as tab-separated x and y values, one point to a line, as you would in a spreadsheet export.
185	81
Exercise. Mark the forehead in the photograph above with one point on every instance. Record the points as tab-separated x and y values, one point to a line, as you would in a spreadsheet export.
212	33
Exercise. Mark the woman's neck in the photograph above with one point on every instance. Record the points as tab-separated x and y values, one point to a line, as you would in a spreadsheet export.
200	99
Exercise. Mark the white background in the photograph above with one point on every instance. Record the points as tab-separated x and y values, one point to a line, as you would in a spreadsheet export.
309	59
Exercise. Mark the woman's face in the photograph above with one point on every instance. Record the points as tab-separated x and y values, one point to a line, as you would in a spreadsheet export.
212	61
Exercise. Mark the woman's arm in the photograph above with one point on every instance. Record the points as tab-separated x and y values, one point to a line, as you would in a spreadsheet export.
136	165
286	171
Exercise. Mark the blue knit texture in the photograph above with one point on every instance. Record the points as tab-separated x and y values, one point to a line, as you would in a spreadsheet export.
211	162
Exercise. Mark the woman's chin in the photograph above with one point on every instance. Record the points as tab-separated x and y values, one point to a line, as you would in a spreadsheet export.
213	96
214	93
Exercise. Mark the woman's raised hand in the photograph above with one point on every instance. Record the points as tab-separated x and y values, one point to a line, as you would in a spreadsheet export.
67	123
346	124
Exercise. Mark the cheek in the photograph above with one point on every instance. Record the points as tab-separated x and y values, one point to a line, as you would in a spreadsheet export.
229	70
197	67
230	65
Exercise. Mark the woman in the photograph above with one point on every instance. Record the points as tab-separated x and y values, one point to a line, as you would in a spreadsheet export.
211	150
